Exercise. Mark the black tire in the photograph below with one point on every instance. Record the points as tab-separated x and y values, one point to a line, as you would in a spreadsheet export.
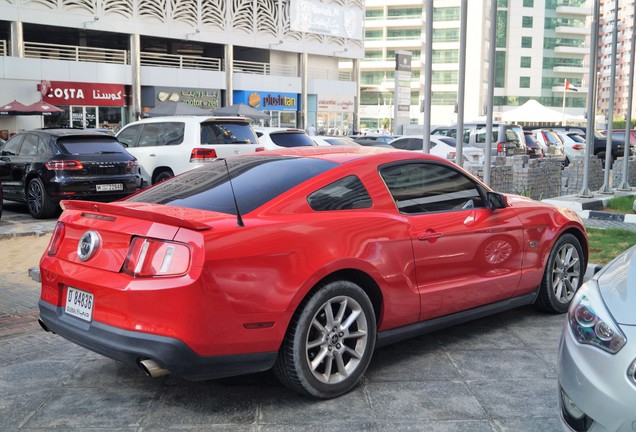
563	275
340	354
40	205
162	176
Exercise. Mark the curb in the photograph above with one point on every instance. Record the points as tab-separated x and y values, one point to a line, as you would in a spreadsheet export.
608	216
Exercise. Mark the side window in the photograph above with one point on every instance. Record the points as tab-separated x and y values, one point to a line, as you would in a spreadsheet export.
12	147
172	133
428	187
29	145
151	135
128	136
402	144
511	136
345	194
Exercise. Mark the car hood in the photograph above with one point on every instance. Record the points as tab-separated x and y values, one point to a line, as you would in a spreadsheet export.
617	285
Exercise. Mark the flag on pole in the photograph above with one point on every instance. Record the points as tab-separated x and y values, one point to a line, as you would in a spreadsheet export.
569	86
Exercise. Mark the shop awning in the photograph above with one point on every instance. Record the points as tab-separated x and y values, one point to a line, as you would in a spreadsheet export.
14	108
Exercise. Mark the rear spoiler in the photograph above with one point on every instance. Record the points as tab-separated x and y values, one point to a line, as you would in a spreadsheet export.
176	216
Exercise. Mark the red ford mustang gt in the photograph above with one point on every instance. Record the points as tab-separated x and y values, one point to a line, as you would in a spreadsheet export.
300	260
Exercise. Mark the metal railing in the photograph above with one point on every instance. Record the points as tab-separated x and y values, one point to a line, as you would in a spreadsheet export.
75	53
257	68
328	74
3	48
180	61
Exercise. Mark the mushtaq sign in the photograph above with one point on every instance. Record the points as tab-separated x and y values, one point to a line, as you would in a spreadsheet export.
76	93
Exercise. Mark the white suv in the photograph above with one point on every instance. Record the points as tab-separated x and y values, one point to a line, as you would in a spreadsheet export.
273	138
167	146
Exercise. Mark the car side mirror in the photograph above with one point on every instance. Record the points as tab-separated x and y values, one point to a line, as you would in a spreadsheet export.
496	200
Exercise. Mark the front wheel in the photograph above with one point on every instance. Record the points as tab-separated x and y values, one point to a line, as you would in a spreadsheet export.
162	176
563	275
329	343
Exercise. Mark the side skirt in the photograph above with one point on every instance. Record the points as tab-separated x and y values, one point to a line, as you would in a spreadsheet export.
391	336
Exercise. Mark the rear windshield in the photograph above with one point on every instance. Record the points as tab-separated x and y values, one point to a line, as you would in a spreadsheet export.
255	180
227	133
90	145
291	139
577	138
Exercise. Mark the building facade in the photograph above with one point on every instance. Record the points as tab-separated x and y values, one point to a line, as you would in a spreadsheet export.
624	36
539	44
105	62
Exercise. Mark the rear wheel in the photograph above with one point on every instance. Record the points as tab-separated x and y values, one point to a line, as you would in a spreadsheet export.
39	204
329	342
563	275
162	176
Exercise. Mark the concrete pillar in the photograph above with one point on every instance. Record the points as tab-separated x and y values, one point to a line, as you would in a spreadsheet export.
16	46
304	69
135	63
229	74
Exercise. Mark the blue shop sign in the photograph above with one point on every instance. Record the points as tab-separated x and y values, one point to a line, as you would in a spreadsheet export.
271	101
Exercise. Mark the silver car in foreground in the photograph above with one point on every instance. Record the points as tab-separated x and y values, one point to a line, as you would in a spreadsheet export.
597	353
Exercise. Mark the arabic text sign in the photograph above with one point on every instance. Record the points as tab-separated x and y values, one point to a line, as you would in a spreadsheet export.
89	94
314	16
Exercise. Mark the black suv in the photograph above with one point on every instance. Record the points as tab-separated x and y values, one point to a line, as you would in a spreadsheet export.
43	166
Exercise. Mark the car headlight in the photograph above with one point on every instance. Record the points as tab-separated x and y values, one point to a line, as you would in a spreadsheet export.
591	323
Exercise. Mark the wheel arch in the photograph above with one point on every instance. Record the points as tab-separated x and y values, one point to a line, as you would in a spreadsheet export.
580	236
158	170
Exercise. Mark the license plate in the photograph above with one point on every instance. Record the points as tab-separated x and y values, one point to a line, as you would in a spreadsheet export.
110	187
79	303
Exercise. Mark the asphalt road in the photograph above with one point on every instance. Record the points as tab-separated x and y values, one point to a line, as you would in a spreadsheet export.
493	374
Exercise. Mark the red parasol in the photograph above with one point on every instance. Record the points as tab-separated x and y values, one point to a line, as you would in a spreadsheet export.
14	108
43	108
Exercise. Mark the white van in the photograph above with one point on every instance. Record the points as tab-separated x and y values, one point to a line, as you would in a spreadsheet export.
167	146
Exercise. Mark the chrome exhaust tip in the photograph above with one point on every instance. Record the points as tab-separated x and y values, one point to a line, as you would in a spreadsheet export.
152	368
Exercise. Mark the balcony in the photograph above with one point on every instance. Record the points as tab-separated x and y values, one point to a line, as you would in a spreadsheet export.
570	70
567	50
3	48
75	53
573	11
180	61
258	68
572	31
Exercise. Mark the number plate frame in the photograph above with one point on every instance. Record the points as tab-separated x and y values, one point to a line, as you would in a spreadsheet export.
79	304
109	187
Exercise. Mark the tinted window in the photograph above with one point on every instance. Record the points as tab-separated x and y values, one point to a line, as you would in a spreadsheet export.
227	133
160	134
29	145
128	136
344	194
12	147
427	187
291	139
448	141
552	138
255	180
89	145
577	138
403	144
514	135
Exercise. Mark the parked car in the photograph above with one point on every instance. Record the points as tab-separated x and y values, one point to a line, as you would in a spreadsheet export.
600	143
273	138
442	146
167	146
597	353
573	145
551	144
533	149
619	135
373	140
42	167
339	141
310	260
507	139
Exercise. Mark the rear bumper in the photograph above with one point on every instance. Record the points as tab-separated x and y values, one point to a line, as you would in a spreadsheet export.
131	347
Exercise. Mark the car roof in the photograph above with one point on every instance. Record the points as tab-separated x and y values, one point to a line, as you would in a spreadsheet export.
67	132
191	119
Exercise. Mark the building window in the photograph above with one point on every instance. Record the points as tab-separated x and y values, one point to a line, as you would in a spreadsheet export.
526	22
446	14
445	77
373	34
446	35
528	3
500	69
445	56
526	62
524	82
443	98
502	29
526	42
502	3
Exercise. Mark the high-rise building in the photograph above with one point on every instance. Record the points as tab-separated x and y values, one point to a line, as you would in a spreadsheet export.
624	36
539	45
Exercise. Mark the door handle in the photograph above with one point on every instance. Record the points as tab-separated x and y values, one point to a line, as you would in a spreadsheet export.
429	235
152	155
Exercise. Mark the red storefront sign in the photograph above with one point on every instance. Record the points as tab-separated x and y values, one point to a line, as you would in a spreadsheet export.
77	93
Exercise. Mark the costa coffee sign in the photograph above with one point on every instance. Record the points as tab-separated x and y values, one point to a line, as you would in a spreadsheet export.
75	93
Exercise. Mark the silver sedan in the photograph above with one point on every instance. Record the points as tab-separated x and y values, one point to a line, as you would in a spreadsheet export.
597	353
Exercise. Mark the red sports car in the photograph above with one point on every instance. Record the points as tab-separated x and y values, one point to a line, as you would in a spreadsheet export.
301	260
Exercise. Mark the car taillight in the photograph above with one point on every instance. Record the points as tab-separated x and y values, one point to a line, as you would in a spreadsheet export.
257	149
545	139
56	239
149	257
501	149
578	147
451	155
64	165
202	154
132	165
